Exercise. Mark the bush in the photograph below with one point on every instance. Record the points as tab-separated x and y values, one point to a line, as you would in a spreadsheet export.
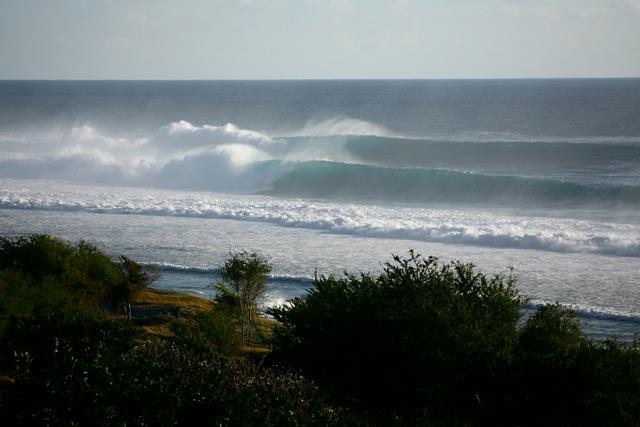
77	370
82	274
607	381
62	365
578	382
172	384
420	337
421	343
212	333
62	362
550	337
439	344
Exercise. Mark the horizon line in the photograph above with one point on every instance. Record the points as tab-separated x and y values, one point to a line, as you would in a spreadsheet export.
317	79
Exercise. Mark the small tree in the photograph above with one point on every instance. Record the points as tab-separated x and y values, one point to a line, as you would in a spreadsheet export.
245	276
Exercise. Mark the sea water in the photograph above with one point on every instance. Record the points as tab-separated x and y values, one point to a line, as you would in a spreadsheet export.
323	177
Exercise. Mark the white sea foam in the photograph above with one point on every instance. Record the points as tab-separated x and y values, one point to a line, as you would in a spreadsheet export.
421	224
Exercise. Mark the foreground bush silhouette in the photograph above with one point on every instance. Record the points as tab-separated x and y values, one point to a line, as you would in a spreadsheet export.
576	381
63	365
63	361
429	343
422	343
419	337
78	370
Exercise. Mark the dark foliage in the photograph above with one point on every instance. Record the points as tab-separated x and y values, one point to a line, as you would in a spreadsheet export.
420	344
62	365
173	384
77	370
577	381
64	362
214	333
425	343
80	274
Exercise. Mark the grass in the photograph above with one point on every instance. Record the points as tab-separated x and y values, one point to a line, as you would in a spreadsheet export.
155	310
158	310
165	298
162	331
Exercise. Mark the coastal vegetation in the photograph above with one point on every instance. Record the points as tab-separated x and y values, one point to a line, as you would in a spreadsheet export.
244	283
425	343
85	341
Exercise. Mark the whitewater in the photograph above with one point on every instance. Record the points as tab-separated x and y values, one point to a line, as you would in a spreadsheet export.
326	177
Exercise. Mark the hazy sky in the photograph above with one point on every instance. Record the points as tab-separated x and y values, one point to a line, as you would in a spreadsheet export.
307	39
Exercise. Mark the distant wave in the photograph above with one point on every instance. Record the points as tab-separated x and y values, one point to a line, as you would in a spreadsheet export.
176	268
423	224
525	156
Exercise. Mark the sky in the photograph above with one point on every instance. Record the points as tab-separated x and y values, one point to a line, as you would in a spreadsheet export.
318	39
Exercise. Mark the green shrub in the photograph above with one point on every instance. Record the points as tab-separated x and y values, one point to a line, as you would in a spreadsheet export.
37	255
420	338
577	381
607	378
214	332
420	343
62	365
81	273
550	336
439	344
78	370
164	383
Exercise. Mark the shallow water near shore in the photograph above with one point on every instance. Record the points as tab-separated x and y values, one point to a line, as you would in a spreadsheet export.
188	251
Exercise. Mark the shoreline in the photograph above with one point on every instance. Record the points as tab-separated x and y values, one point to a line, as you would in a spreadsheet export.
598	327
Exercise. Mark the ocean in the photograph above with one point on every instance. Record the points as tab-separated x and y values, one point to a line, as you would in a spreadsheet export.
323	177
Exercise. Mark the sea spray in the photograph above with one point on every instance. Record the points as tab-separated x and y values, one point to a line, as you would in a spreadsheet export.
331	163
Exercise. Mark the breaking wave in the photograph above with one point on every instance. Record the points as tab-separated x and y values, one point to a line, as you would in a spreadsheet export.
341	158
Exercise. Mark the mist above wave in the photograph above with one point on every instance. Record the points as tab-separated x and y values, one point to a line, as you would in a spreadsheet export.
340	126
179	154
